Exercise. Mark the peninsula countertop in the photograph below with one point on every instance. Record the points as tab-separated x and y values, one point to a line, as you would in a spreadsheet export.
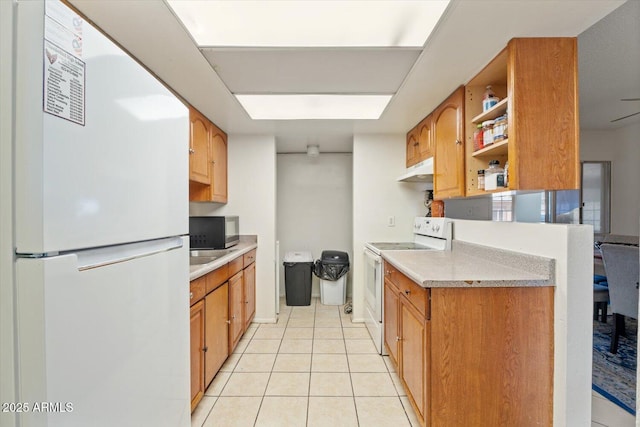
246	244
471	265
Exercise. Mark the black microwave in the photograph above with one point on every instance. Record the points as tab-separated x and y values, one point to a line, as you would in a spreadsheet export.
214	232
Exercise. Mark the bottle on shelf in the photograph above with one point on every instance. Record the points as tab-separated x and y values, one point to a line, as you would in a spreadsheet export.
506	173
500	128
487	132
478	139
493	176
489	99
481	179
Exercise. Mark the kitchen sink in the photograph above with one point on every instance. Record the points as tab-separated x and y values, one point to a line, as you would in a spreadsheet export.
199	260
216	253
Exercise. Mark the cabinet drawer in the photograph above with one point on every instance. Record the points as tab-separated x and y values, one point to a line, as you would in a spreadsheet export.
249	257
217	277
416	294
235	265
197	290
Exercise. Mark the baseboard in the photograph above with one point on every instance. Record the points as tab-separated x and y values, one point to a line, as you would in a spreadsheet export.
264	320
357	320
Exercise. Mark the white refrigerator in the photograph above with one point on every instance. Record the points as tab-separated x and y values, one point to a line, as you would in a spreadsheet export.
101	199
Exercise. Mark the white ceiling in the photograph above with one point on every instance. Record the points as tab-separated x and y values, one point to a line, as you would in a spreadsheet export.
469	35
609	69
295	70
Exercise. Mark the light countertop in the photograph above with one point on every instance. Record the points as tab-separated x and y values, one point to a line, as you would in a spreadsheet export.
470	265
246	244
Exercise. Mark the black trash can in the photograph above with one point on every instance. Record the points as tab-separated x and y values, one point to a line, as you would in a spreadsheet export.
331	268
297	277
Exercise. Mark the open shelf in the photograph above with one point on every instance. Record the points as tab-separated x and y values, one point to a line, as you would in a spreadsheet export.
499	148
496	111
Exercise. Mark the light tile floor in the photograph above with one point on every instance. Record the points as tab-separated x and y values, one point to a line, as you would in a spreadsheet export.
312	368
608	414
316	368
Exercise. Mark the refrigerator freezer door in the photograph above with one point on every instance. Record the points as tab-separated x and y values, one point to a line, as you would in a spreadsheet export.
109	344
123	175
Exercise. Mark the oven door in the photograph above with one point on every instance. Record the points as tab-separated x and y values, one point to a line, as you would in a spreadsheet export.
373	283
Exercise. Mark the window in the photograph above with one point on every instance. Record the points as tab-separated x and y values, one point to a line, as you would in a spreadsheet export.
596	195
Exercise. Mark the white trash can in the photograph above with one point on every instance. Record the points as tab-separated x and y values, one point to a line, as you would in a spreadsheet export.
333	292
331	269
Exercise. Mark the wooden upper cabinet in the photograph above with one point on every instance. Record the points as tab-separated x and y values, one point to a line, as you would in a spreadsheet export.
448	136
537	80
219	165
543	90
425	149
413	149
207	160
199	167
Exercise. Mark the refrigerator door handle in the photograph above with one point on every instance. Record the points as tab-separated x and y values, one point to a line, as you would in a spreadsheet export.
101	257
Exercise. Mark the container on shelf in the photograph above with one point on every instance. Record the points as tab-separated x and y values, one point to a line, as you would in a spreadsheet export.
500	128
506	173
493	176
489	99
481	179
478	138
487	132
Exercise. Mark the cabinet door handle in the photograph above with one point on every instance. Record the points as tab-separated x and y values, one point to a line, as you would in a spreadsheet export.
458	142
407	292
190	295
228	322
205	349
398	339
192	151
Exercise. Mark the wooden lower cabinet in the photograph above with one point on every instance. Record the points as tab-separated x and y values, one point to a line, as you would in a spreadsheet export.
391	326
472	356
236	310
216	331
249	278
413	347
222	308
197	353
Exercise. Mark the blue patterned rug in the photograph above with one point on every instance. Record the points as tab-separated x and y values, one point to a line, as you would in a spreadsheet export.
614	375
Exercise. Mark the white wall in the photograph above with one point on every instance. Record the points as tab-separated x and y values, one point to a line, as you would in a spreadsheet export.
622	148
7	360
572	248
377	161
314	208
252	196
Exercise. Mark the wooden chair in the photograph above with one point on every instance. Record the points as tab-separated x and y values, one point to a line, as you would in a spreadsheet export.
621	264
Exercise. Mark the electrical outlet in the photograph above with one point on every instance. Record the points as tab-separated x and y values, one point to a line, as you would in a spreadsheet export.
391	221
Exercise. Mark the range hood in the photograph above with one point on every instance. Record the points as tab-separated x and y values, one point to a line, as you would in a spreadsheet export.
420	172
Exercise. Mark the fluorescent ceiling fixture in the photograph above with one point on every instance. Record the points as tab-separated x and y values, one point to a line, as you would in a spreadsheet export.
311	107
310	23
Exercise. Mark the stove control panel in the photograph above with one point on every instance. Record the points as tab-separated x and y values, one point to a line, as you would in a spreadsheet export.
433	227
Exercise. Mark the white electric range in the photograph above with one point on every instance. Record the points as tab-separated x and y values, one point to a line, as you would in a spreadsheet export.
433	234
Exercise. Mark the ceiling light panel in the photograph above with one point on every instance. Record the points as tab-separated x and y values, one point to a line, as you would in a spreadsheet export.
314	107
309	23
